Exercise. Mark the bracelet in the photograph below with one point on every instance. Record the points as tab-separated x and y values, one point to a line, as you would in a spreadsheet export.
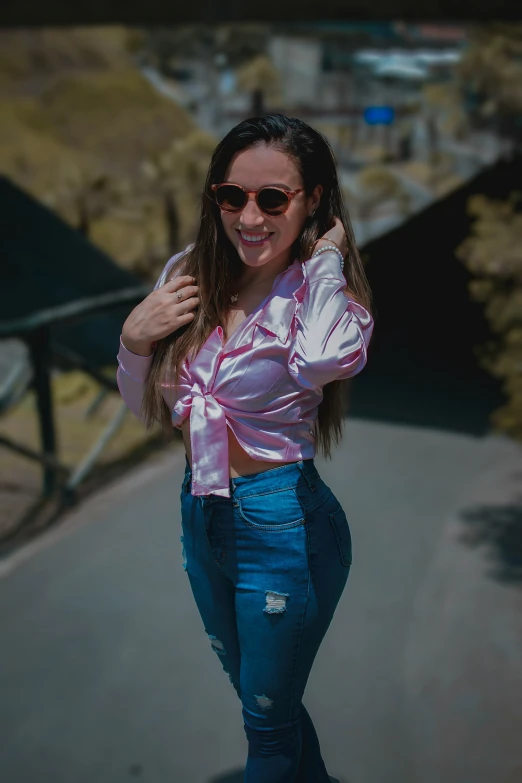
333	243
330	247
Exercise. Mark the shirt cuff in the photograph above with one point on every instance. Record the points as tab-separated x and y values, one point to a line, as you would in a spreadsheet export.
133	364
325	265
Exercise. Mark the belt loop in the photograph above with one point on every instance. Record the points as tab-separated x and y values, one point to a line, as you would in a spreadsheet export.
311	485
233	492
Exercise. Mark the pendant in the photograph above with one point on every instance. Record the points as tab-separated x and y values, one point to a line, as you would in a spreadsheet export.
234	298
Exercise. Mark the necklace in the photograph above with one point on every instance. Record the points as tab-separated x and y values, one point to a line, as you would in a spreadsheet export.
233	298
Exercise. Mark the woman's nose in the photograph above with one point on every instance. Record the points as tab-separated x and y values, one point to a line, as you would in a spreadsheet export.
251	214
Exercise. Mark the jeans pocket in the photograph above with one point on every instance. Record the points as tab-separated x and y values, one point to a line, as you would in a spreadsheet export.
272	511
341	529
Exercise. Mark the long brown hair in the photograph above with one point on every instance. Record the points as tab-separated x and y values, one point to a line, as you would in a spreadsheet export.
215	264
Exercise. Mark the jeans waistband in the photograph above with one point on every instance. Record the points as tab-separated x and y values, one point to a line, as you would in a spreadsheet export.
271	480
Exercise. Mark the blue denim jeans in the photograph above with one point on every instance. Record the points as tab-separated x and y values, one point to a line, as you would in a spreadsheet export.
267	568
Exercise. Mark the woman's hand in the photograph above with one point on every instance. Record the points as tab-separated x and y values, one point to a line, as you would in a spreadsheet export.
337	235
161	313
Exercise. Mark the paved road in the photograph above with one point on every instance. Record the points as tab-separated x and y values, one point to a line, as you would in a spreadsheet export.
107	674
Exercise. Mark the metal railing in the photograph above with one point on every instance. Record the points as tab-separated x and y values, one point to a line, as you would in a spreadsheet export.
35	330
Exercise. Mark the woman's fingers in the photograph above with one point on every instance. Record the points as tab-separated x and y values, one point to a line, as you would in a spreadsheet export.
159	315
186	292
178	282
188	304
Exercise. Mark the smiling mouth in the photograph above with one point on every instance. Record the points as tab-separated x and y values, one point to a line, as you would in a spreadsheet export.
251	238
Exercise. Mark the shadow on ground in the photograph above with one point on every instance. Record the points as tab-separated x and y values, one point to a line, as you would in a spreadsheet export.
237	776
499	530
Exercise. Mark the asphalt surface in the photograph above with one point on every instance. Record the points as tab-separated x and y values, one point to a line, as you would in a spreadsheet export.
107	674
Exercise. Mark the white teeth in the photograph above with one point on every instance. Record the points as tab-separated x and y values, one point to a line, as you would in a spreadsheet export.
253	237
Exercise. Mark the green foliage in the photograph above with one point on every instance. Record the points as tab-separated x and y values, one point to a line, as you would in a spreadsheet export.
493	253
492	68
490	73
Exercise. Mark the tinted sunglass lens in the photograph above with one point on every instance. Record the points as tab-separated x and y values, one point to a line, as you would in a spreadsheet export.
230	197
272	201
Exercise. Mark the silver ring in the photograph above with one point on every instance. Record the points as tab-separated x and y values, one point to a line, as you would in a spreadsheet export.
180	295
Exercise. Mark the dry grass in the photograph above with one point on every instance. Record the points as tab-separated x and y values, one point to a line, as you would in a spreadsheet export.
72	102
115	114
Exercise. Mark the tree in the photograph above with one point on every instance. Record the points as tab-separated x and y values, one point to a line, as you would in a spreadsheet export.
84	192
490	78
179	174
262	80
493	253
445	100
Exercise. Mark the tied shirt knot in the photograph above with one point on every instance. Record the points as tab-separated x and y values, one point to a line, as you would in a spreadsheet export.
209	444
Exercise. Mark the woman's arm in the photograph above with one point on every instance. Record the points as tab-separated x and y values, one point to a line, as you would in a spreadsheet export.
133	368
131	376
331	331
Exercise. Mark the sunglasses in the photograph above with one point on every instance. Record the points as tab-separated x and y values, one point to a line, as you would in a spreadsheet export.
271	200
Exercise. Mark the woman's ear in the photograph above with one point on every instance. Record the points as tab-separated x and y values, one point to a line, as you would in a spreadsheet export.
314	199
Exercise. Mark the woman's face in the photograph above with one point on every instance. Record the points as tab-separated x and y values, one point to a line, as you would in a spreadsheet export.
253	169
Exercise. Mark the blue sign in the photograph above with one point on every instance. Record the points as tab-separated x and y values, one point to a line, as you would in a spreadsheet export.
379	115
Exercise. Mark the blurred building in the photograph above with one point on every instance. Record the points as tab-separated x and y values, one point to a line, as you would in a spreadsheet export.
299	62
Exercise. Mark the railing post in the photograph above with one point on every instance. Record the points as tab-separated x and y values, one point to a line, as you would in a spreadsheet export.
39	348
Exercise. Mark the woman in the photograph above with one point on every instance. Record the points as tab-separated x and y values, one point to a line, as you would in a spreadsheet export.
245	345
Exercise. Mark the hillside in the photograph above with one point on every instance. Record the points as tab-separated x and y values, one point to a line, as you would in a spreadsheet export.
77	122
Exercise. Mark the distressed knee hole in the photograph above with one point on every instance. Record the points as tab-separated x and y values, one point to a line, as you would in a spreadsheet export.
275	602
264	702
217	645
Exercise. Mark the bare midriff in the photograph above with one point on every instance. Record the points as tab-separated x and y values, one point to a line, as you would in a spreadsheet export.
240	463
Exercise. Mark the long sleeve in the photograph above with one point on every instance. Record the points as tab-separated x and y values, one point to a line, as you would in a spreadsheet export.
331	331
133	369
131	375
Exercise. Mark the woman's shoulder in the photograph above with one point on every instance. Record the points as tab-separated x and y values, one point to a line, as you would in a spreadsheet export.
162	279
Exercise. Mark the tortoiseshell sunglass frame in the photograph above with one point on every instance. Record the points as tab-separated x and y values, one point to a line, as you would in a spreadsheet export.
290	194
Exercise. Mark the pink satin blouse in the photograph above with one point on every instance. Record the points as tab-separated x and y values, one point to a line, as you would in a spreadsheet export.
265	382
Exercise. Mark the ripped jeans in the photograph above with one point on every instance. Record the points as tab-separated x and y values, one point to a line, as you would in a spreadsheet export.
267	568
